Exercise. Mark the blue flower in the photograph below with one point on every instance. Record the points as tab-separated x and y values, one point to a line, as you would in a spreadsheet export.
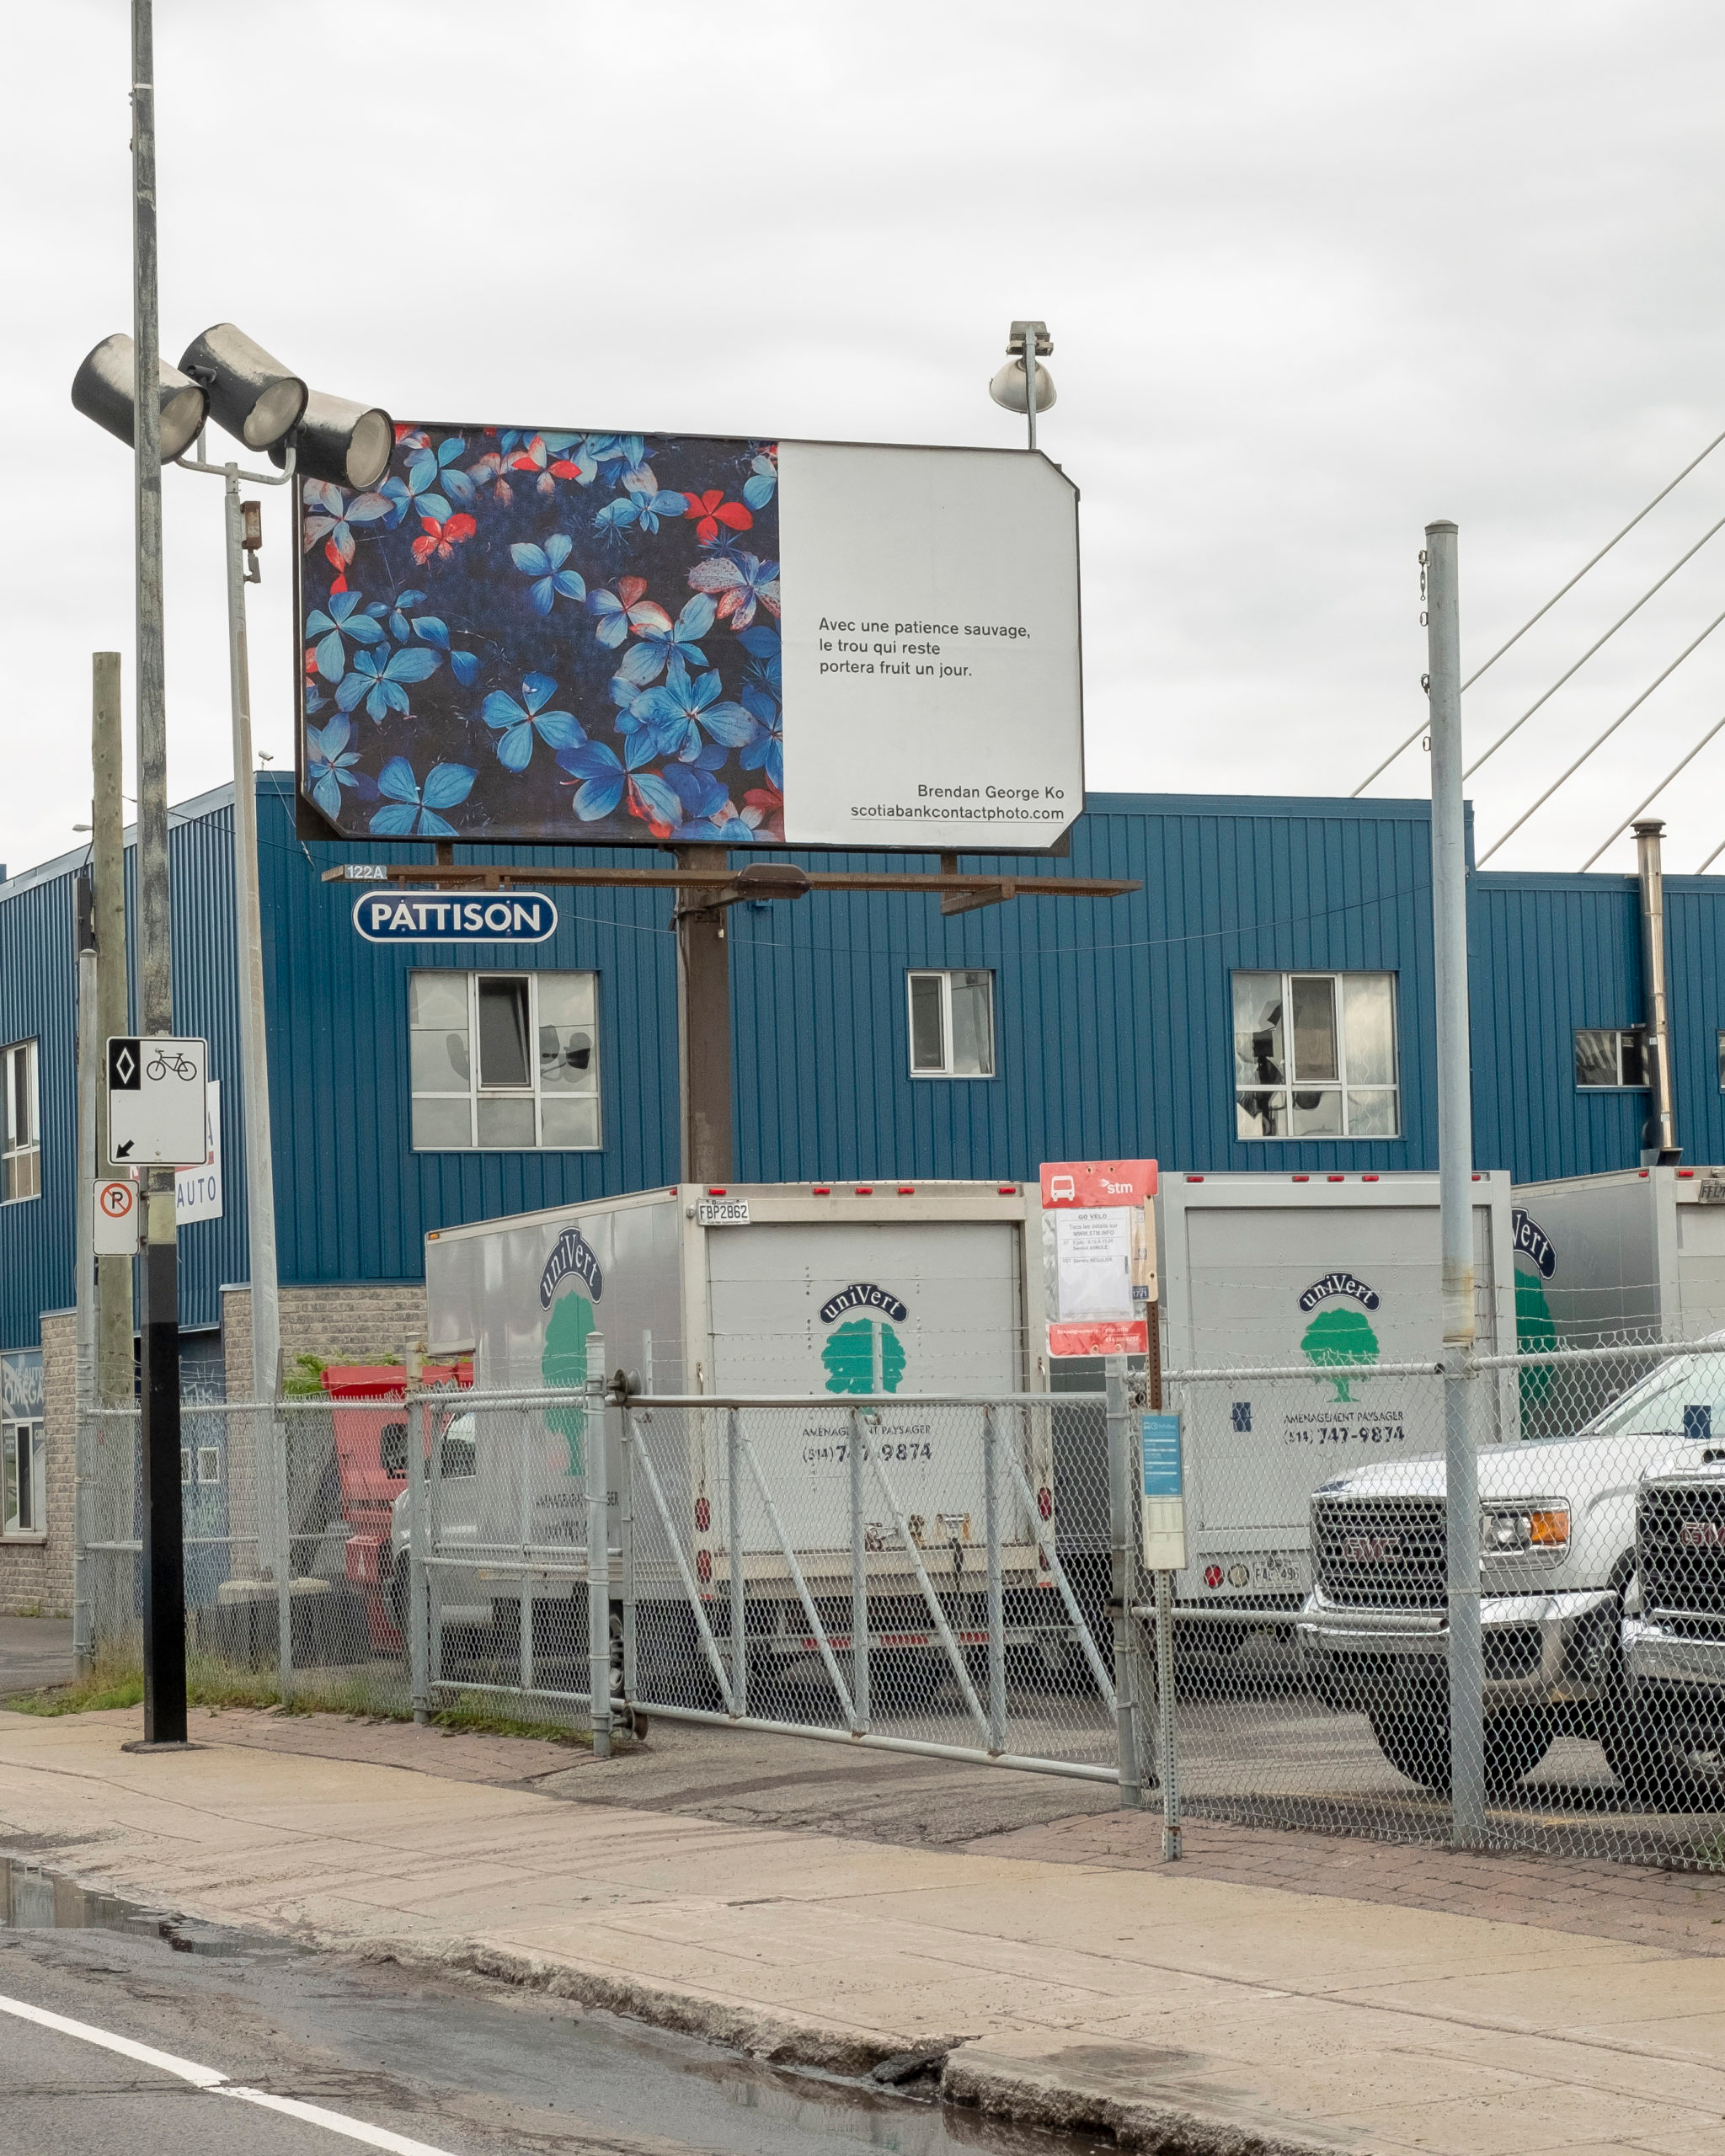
681	708
766	752
763	477
661	640
625	451
464	664
605	776
329	628
517	726
413	814
328	763
327	519
546	563
642	503
382	682
432	475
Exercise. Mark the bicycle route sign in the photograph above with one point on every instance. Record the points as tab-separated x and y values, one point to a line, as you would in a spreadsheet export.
156	1101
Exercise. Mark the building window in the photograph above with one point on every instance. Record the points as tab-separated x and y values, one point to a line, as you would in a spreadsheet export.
1315	1056
951	1025
23	1497
505	1062
1611	1056
20	1132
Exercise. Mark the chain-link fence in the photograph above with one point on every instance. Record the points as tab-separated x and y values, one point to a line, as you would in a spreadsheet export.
1483	1603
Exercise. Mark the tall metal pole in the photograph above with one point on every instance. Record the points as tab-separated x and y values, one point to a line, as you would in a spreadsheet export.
1030	382
90	1065
116	1373
273	1542
1659	1139
1455	1187
1124	1514
164	1575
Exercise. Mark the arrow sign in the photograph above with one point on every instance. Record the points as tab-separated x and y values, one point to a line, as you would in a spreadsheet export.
156	1101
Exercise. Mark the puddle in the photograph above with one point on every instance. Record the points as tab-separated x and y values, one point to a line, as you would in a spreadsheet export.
32	1899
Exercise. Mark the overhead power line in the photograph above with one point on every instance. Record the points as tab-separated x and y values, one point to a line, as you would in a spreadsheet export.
1565	777
1592	648
1654	795
1548	606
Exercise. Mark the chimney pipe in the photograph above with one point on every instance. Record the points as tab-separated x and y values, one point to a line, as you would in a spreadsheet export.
1659	1143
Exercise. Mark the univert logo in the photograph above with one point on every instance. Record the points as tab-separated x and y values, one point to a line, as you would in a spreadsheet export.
563	1362
864	1355
1337	1338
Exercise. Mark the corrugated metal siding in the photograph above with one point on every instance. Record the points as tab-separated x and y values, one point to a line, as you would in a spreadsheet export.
38	1002
353	1200
1114	1017
1547	954
1694	971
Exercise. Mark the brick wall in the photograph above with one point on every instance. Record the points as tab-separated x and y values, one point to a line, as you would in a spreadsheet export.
342	1324
37	1575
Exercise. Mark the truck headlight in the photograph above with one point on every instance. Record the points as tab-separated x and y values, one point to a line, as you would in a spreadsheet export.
1510	1532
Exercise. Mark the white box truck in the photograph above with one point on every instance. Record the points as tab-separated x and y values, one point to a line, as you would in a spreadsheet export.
1330	1273
817	1294
1639	1251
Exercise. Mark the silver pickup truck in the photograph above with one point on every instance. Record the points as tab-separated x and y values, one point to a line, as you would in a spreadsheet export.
1557	1573
1673	1645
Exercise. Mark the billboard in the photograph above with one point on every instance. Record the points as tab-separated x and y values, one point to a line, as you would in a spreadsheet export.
570	639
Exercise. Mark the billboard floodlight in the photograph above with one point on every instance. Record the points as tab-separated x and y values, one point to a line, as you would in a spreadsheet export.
252	395
102	390
1009	388
349	445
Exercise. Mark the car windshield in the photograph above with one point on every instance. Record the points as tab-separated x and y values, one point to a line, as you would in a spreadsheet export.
457	1458
1684	1398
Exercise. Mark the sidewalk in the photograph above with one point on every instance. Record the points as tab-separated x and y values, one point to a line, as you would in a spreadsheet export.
1072	1978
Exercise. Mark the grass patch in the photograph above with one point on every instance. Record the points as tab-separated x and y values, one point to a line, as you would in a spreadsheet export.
117	1680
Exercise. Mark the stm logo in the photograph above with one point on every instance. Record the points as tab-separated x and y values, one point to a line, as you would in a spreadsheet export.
1370	1549
1701	1534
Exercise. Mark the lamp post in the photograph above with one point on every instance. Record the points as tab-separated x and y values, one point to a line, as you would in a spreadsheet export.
1021	385
159	411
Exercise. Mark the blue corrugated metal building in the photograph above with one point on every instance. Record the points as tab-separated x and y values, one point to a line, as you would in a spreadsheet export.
1114	1028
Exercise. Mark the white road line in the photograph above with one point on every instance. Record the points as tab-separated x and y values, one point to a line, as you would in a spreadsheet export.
214	2084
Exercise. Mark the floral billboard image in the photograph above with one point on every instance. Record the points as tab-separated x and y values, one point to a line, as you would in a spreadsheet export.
528	635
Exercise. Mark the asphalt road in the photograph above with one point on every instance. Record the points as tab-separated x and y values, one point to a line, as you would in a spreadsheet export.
397	2062
34	1652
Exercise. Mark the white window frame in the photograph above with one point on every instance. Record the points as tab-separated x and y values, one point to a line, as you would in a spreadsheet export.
946	975
1619	1033
1291	1083
475	1092
29	1438
15	1146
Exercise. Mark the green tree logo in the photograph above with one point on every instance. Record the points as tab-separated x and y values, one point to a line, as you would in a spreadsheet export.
1340	1336
564	1362
848	1356
1536	1334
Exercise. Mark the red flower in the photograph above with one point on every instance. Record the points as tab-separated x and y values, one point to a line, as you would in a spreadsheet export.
442	539
711	509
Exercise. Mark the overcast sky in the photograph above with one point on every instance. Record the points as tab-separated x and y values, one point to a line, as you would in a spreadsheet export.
1315	275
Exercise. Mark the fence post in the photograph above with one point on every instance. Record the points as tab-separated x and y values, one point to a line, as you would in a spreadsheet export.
1123	1534
270	1448
860	1700
419	1533
522	1422
1455	1184
734	1530
598	1551
627	1538
1168	1754
997	1596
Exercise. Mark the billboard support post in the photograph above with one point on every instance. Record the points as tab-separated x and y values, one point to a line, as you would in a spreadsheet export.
703	1033
1455	1192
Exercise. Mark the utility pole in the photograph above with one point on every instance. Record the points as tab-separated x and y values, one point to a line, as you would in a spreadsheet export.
91	1065
164	1572
116	1374
704	1029
1454	1186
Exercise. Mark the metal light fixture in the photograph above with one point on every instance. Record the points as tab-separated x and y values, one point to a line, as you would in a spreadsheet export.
251	394
349	445
1010	388
102	390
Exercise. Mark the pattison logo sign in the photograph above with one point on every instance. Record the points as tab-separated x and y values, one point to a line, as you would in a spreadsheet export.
439	917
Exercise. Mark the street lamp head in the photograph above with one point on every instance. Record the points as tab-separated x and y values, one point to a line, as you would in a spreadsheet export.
349	445
1009	388
102	389
252	395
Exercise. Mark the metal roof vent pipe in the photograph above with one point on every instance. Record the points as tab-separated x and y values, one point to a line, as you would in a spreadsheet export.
1658	1139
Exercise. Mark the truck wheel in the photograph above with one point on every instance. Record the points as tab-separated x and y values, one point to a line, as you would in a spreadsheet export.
1650	1765
1418	1746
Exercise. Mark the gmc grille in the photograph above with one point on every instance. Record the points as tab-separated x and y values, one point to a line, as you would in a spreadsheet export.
1682	1535
1380	1553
